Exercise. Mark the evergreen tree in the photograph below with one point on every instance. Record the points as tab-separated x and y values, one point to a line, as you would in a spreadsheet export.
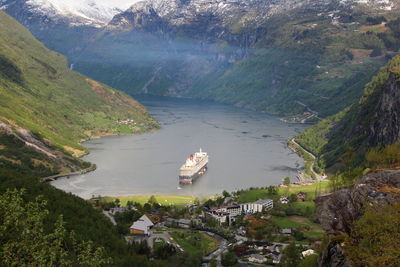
290	256
25	241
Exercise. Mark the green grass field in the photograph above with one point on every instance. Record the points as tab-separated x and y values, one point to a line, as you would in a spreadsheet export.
158	243
315	232
162	199
304	205
194	242
311	190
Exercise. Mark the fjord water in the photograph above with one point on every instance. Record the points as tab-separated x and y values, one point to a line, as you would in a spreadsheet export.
246	149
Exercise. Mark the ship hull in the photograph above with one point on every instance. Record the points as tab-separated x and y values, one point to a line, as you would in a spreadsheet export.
186	180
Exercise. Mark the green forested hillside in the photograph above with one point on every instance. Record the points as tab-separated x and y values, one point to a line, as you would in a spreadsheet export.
39	93
45	111
304	61
295	62
373	122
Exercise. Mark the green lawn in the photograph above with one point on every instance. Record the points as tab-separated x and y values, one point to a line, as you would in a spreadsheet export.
158	243
162	199
319	187
255	194
194	242
315	232
304	205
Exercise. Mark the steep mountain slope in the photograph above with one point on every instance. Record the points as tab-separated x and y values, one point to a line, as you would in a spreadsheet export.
46	109
372	122
285	57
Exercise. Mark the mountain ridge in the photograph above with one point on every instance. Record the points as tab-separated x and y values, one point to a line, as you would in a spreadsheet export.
236	52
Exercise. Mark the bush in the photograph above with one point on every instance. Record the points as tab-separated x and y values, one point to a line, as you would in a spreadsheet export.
228	259
375	20
377	51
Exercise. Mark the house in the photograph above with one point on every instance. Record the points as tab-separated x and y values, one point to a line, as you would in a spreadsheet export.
276	257
116	210
228	213
301	195
225	213
284	200
232	210
307	252
141	226
286	231
258	206
266	204
318	244
220	216
257	258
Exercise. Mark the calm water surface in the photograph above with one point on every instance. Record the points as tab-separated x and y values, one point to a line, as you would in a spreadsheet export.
245	148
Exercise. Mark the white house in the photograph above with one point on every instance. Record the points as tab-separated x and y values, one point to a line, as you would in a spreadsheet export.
257	258
258	206
228	213
141	226
284	200
307	252
233	210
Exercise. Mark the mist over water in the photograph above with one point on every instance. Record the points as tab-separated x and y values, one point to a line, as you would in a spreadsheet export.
245	149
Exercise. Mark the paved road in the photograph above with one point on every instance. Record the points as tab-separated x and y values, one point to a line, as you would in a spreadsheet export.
318	177
223	245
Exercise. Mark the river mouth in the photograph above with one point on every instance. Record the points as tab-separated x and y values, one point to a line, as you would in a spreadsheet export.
246	149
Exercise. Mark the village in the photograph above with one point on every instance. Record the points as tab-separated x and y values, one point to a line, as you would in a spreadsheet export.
244	228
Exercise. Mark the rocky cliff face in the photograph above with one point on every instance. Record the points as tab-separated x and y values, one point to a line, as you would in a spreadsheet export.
377	116
386	127
372	122
337	211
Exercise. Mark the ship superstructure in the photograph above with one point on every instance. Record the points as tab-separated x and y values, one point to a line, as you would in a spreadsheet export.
194	167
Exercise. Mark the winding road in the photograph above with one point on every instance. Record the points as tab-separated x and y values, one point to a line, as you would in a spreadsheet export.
318	177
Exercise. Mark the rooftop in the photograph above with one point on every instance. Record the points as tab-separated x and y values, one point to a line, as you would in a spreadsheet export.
146	220
286	231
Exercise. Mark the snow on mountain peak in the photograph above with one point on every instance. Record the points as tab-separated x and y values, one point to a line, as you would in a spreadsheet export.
88	12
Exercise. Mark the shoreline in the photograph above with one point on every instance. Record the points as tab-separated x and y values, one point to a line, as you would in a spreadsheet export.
93	166
52	178
141	195
303	176
185	200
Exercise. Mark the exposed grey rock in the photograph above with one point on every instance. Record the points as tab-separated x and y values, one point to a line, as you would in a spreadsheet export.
333	256
337	211
386	127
